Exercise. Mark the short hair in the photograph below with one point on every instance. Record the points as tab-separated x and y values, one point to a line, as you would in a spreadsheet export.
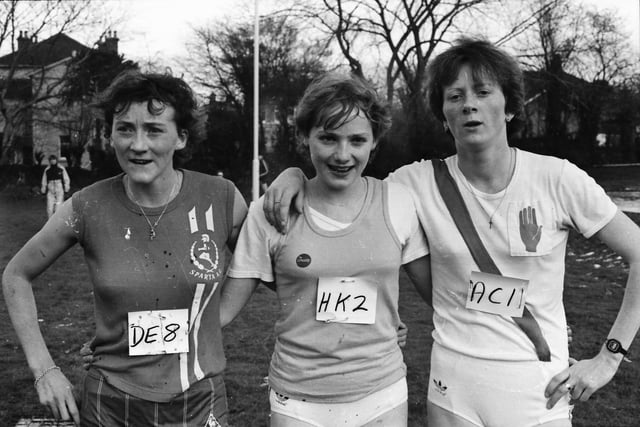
134	86
53	157
486	61
331	100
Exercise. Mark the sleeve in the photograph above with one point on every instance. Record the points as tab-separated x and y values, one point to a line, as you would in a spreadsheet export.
256	243
404	220
65	180
583	201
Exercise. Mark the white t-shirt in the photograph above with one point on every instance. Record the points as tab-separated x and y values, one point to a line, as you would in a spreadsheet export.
564	198
252	258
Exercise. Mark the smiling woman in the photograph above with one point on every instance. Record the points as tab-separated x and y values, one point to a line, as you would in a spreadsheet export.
336	360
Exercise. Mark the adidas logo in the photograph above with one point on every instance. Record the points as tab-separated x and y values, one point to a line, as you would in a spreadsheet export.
442	389
281	399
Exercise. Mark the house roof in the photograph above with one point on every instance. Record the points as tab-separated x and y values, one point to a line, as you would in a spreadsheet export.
45	52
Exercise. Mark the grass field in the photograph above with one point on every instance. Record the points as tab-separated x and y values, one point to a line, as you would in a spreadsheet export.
594	287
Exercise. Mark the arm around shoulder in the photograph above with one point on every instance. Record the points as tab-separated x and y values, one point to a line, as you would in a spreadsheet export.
239	214
288	187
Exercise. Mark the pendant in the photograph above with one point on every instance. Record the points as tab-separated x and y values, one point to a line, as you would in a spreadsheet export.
152	233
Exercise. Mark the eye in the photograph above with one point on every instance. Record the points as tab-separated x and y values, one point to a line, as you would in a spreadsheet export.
484	92
124	128
453	97
326	137
358	141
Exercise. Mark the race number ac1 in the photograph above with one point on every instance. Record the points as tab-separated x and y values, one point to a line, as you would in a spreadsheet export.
497	294
346	300
158	332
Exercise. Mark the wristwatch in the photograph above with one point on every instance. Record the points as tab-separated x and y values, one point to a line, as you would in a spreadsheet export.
614	346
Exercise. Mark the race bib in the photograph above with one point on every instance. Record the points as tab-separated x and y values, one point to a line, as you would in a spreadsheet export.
346	300
158	332
497	294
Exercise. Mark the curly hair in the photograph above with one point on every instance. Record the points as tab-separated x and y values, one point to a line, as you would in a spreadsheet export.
158	91
331	100
486	61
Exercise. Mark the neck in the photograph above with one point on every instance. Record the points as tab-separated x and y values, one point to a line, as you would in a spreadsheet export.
488	170
155	194
341	205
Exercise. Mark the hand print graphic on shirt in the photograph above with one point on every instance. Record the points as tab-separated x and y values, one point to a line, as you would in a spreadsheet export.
530	231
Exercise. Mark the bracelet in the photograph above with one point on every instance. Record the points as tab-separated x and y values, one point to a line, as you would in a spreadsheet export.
45	372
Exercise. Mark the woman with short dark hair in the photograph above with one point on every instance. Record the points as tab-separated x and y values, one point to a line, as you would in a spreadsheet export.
157	240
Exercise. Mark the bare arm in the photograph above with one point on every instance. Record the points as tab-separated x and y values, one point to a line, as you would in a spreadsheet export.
288	187
588	375
239	215
235	295
55	238
419	271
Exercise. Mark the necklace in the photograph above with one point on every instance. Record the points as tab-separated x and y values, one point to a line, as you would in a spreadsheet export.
152	227
504	195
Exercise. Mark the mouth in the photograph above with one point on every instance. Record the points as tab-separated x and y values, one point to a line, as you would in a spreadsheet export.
140	162
471	124
340	169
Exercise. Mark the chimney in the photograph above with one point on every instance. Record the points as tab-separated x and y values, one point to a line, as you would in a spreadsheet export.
110	43
24	41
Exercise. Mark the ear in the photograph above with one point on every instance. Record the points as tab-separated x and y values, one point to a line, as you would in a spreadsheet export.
183	137
509	117
375	144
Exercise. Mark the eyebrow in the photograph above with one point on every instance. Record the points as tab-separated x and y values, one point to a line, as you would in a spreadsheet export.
149	123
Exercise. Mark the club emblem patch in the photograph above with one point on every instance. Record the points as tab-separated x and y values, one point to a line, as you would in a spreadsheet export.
205	257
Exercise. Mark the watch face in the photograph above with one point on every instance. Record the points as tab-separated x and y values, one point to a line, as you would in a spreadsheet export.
613	346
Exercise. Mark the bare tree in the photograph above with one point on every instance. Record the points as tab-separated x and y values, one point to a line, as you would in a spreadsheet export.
221	64
578	54
27	86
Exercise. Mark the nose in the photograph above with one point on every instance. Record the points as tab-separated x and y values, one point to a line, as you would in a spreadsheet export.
342	152
470	105
139	142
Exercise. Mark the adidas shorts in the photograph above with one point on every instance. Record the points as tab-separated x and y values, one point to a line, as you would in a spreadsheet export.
494	393
349	414
203	405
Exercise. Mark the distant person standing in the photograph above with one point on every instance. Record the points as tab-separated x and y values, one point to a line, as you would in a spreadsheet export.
55	182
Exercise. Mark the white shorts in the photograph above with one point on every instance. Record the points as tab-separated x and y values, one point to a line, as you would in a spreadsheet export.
494	393
349	414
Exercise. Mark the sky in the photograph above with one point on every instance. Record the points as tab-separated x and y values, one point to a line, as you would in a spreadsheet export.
161	27
158	30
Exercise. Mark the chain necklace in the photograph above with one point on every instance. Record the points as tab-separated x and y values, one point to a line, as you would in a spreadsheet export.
152	227
511	159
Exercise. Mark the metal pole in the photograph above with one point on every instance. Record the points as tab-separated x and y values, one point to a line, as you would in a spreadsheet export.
255	177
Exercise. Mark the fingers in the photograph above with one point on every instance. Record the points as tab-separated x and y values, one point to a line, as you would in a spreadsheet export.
402	334
270	198
282	212
557	388
532	214
72	407
299	202
56	392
